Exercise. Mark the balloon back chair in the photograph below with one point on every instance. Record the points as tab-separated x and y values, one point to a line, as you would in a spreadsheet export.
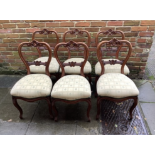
33	87
115	86
72	88
53	66
110	51
76	70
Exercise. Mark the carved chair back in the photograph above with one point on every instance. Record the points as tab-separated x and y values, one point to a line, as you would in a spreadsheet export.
114	42
110	32
45	32
76	32
72	44
37	44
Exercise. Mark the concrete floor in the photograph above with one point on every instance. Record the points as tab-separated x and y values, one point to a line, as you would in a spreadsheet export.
147	103
72	118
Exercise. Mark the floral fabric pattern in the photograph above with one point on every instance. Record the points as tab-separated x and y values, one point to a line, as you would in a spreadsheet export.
71	87
53	66
76	69
116	85
32	86
110	68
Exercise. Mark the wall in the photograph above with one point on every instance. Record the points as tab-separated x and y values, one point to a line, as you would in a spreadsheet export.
13	32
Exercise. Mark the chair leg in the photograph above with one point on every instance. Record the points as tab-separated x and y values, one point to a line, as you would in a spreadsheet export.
50	106
14	100
57	75
96	79
98	108
55	110
89	77
132	107
88	109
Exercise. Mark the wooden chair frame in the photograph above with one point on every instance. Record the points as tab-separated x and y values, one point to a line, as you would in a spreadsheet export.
108	33
72	64
46	32
112	62
77	32
34	43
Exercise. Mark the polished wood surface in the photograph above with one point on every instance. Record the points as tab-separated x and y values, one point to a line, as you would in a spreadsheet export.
112	62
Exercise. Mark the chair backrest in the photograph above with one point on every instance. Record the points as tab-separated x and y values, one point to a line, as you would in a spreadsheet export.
37	44
113	42
76	45
45	32
76	32
109	33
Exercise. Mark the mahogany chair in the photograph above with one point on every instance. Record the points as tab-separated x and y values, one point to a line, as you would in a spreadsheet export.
33	87
76	70
72	88
115	86
110	68
53	66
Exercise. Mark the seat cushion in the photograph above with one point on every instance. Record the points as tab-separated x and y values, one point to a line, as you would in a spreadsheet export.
116	85
53	67
32	86
111	68
76	69
71	87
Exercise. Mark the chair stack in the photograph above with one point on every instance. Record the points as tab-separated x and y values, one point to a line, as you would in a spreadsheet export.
72	85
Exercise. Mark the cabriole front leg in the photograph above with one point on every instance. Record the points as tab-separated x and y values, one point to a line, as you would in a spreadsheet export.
98	108
88	109
55	110
132	107
14	100
48	99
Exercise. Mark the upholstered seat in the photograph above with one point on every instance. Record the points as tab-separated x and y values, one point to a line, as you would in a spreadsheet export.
71	87
110	68
53	66
32	86
116	85
76	69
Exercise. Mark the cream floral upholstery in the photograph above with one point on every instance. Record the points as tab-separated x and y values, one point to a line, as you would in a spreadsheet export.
53	66
116	85
76	69
111	68
71	87
32	86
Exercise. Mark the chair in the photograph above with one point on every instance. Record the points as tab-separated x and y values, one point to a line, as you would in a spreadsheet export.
33	87
53	66
110	68
76	70
115	86
72	88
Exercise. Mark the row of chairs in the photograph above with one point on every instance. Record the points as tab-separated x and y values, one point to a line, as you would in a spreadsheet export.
114	86
54	66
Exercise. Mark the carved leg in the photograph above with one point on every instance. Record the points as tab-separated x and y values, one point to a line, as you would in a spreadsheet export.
88	109
132	107
55	110
18	107
48	99
57	75
89	77
96	79
98	108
